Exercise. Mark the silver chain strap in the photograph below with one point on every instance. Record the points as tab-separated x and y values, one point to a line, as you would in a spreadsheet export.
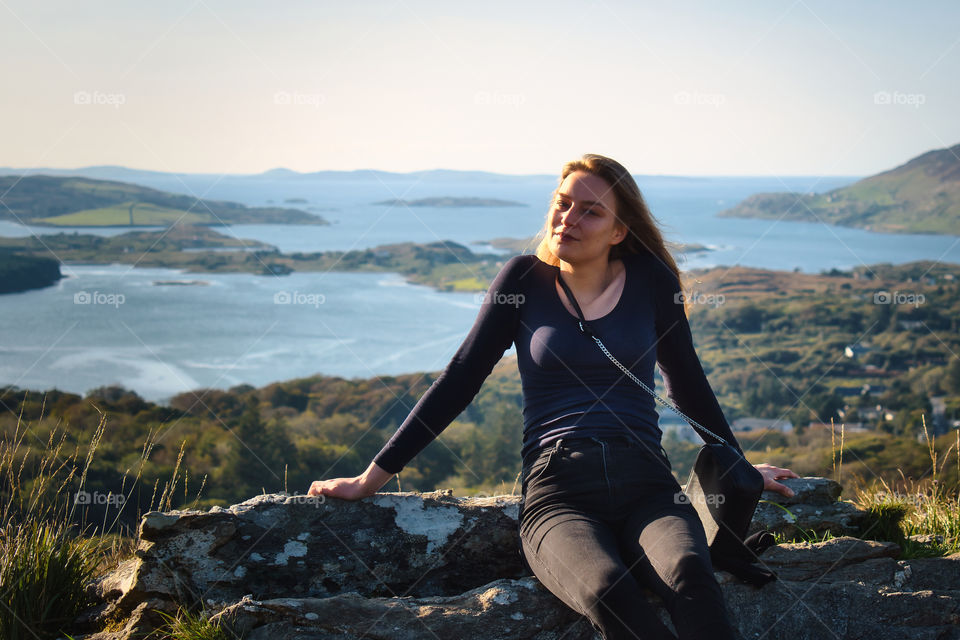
653	393
585	328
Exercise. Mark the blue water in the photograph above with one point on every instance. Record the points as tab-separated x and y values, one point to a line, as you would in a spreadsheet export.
161	340
112	325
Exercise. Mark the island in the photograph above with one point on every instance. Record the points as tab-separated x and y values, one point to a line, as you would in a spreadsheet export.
921	196
84	202
451	201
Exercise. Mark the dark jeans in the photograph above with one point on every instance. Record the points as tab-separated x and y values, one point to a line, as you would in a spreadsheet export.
600	520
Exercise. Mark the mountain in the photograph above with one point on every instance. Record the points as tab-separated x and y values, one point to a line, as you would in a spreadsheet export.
81	202
921	196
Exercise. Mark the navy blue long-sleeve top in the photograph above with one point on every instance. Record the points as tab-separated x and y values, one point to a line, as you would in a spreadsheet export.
570	388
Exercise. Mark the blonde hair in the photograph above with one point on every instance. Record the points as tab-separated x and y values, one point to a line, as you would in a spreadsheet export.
643	231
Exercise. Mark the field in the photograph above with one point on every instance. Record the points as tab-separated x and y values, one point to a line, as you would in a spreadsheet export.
129	214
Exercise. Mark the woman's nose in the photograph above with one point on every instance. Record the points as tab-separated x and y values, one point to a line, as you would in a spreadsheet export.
568	217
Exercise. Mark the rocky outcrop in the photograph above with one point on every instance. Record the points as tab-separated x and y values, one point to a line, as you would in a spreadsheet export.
814	509
404	565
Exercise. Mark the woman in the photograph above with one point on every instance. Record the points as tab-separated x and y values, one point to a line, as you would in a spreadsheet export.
601	515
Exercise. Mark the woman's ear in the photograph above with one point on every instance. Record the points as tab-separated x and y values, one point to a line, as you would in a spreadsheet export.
619	233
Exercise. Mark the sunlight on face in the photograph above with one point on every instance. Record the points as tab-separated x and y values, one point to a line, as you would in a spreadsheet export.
583	221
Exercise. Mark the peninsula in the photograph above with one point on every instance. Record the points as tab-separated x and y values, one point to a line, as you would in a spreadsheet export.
921	196
25	272
84	202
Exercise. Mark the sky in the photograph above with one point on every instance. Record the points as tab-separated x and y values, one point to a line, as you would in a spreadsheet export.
698	87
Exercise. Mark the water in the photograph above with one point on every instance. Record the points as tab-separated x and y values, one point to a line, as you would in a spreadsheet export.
161	340
112	325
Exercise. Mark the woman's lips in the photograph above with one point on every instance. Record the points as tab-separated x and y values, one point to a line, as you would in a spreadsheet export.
564	237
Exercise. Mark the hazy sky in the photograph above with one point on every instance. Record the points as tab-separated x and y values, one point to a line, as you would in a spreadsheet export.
692	87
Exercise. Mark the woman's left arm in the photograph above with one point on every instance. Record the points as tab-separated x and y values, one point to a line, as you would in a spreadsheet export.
684	379
683	376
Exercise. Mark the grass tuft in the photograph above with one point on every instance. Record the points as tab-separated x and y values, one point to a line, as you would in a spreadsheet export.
922	516
45	561
194	626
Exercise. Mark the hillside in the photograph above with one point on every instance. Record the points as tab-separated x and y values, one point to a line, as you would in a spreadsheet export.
921	196
83	202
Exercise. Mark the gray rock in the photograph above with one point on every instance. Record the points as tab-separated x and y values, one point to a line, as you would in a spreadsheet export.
814	509
392	544
501	610
405	565
823	561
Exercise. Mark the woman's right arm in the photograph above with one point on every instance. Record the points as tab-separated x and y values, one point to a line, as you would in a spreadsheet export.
362	486
492	333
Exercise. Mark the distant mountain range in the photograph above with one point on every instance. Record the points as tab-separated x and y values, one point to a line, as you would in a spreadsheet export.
125	174
113	172
84	202
921	196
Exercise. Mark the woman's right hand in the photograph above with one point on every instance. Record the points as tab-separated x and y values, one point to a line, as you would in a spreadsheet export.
362	486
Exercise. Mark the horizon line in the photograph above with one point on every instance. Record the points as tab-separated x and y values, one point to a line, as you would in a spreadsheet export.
415	171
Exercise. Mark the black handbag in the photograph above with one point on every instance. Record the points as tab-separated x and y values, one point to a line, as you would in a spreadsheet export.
723	487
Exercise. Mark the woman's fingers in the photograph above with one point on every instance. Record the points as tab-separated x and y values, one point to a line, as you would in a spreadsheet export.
779	488
344	488
770	476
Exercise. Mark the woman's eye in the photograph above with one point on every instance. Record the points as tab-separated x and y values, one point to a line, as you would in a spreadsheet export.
560	204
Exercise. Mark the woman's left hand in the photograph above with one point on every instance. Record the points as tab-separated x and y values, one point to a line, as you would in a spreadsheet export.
770	476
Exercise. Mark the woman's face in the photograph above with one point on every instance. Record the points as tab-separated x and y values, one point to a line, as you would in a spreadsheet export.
583	224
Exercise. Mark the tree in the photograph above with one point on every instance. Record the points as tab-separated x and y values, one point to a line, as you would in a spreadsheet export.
257	455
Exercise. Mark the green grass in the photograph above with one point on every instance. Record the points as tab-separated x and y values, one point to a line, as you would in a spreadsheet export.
119	216
44	570
46	562
928	507
190	626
